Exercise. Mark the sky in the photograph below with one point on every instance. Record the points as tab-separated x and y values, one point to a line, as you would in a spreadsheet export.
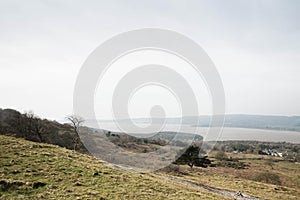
255	46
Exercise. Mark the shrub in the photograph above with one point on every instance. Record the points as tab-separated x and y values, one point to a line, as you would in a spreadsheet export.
268	177
270	162
174	169
191	157
232	164
221	155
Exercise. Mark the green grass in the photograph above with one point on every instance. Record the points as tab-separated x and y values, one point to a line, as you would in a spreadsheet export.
31	170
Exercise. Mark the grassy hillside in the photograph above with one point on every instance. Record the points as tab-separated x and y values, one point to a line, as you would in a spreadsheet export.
247	180
30	170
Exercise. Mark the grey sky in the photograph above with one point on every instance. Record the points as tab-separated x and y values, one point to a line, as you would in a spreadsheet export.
254	44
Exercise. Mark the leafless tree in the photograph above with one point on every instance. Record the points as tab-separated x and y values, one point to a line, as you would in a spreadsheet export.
31	124
38	127
28	120
76	122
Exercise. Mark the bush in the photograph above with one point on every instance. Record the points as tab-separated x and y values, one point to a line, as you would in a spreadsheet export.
191	157
270	162
221	155
174	169
268	177
232	164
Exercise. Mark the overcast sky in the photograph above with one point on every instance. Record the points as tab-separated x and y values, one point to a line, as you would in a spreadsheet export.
255	46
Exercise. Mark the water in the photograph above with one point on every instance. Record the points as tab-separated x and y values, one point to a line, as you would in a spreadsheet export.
227	133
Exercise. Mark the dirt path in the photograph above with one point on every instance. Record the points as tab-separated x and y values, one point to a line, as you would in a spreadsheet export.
236	195
227	193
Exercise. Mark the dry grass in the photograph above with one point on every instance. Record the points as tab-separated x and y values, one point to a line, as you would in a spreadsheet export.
33	171
288	172
243	179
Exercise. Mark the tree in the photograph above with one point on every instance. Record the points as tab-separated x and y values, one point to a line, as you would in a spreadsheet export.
28	122
31	125
38	127
191	158
76	122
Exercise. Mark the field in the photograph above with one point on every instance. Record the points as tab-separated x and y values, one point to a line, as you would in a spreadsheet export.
246	180
32	170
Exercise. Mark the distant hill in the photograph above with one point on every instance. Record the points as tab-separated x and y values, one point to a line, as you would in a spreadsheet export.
264	122
291	123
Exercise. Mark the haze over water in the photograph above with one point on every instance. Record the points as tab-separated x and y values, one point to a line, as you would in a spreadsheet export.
228	133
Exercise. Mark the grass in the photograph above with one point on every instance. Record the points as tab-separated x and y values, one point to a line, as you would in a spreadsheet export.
253	188
244	179
288	172
31	170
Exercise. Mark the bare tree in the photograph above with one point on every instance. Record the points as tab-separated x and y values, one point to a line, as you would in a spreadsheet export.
31	125
38	127
76	122
28	120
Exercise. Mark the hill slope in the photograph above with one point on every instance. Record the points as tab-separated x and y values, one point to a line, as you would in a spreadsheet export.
34	170
33	128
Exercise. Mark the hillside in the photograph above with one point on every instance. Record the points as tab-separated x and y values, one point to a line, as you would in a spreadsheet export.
32	170
33	128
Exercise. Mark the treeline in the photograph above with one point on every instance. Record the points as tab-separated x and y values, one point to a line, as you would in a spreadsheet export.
255	146
31	127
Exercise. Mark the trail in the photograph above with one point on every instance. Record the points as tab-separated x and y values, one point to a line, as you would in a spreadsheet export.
236	195
227	193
